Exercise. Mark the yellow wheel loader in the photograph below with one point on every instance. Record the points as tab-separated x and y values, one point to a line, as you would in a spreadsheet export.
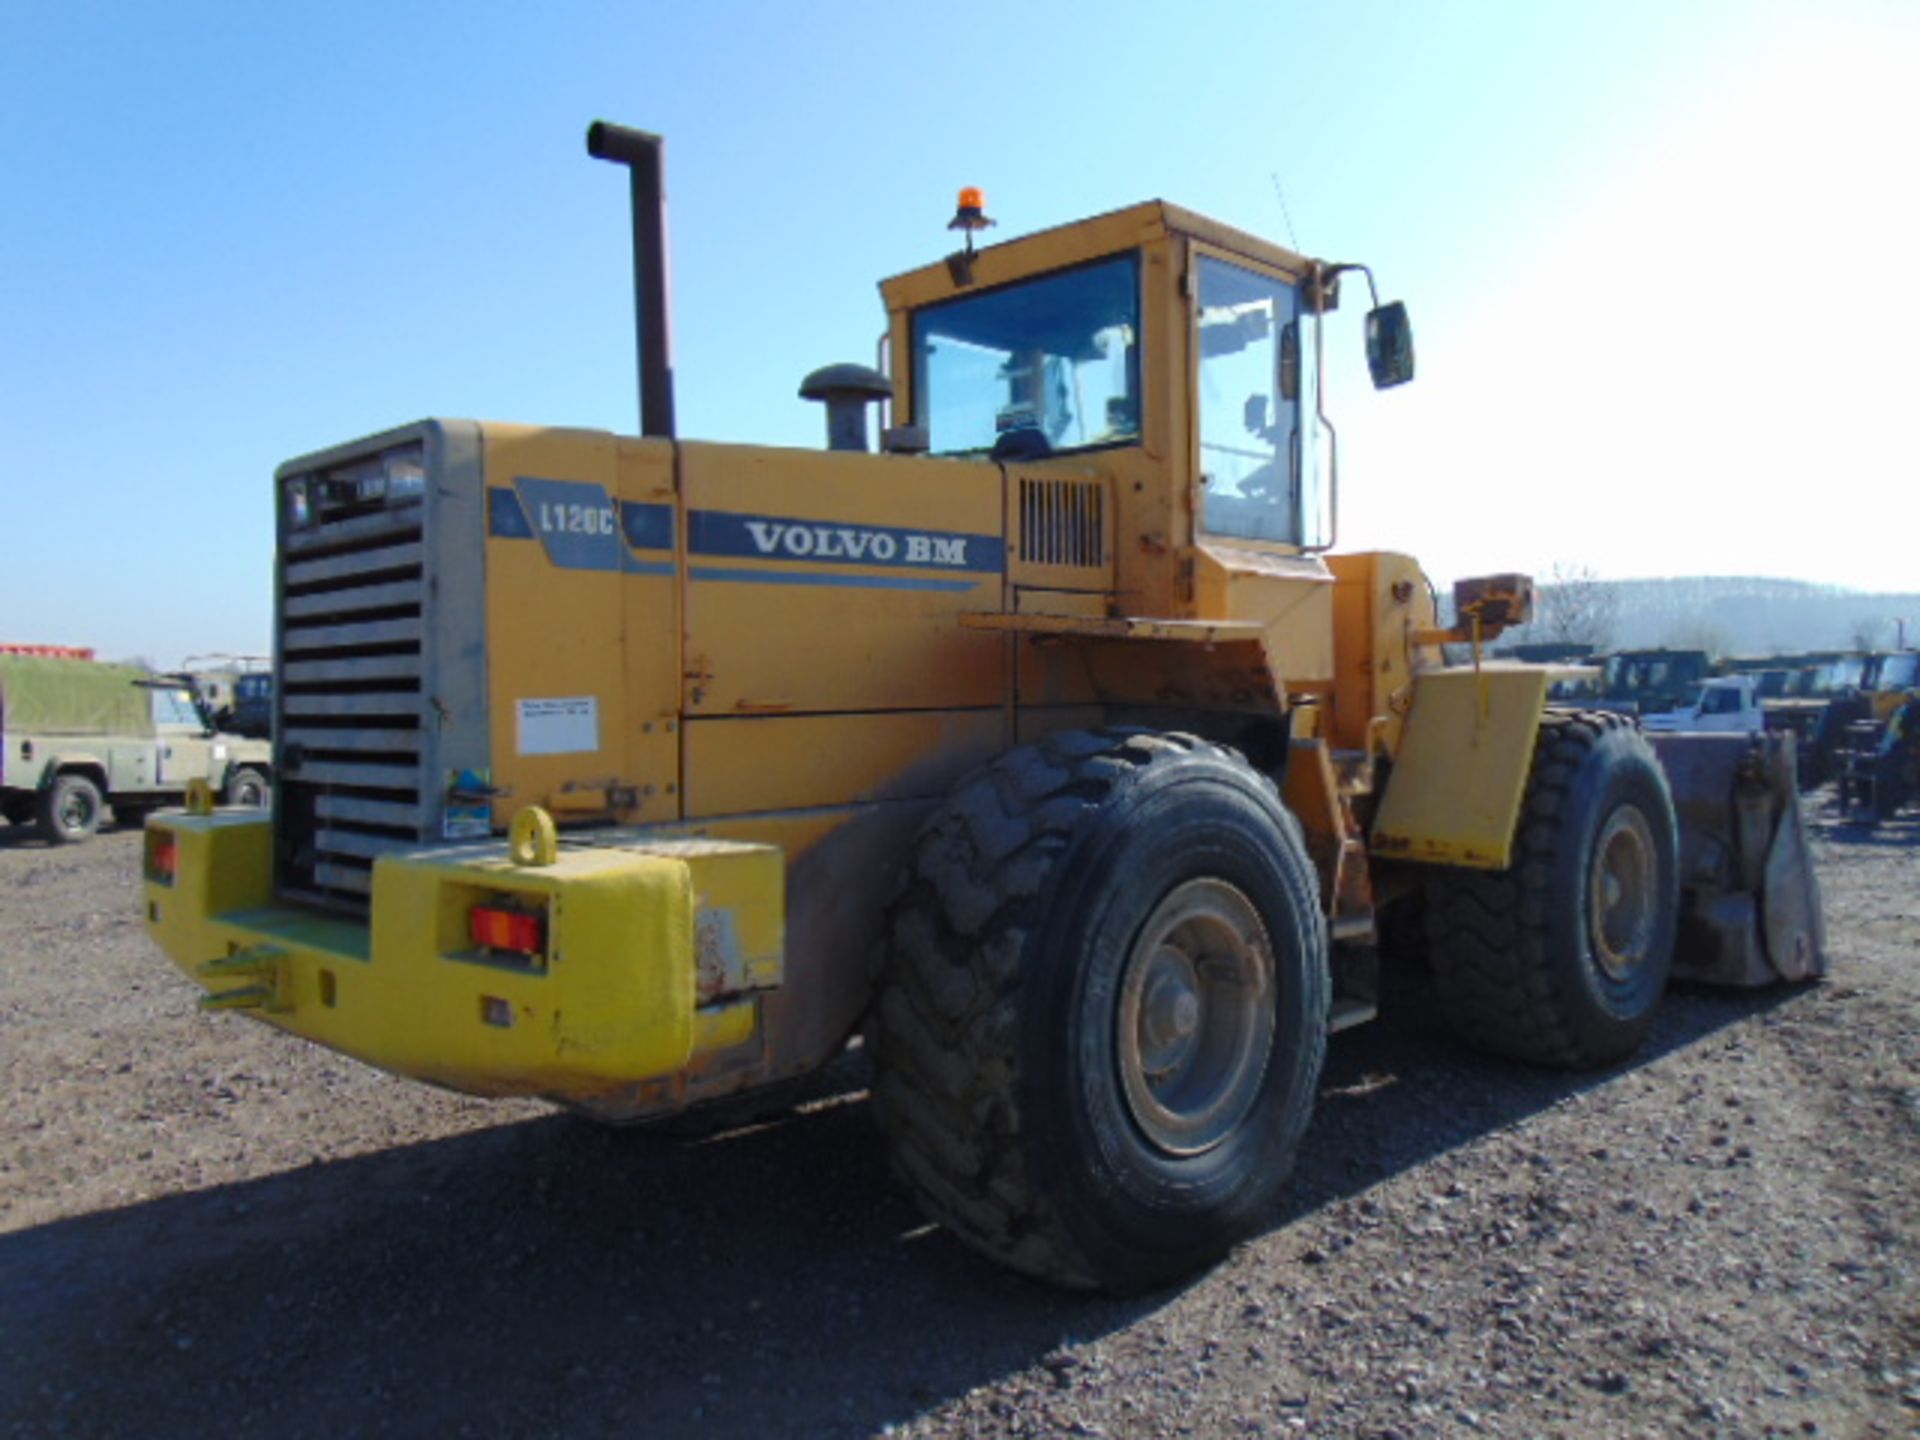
1052	748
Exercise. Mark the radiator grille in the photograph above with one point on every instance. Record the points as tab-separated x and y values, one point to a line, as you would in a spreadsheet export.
1063	522
349	697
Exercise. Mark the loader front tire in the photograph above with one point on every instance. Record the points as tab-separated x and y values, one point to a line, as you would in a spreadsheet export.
1099	1027
1562	958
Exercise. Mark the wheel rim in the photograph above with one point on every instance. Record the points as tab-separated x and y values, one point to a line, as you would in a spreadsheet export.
1195	1023
76	811
1623	893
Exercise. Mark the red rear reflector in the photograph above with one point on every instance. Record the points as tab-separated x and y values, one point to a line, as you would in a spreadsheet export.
163	856
507	930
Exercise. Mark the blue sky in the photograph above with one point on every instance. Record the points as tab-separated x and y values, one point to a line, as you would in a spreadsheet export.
1659	256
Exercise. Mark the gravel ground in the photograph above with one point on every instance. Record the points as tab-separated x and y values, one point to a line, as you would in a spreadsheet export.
209	1228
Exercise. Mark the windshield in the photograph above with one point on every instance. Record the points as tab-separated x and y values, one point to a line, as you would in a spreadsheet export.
1719	700
1840	676
1028	369
174	709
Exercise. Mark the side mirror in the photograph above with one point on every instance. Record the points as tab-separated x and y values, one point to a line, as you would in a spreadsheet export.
1389	345
1290	361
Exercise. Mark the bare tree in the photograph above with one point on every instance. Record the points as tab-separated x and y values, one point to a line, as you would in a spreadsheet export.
1865	635
1576	607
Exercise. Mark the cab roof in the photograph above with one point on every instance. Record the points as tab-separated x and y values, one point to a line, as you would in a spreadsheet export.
1075	243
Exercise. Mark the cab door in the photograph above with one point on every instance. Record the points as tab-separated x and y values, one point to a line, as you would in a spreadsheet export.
180	749
1254	441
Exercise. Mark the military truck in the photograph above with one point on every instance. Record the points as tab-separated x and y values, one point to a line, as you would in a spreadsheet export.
237	690
78	736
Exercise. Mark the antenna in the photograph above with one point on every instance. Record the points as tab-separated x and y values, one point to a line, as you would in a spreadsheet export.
1285	214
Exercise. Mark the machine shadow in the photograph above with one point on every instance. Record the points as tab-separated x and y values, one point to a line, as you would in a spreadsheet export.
551	1277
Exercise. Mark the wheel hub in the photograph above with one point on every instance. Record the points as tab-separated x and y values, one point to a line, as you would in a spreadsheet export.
1195	1019
1169	1012
1623	893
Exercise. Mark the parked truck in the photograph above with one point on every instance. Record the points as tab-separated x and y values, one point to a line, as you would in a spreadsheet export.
1054	750
1729	703
1879	756
1821	698
1651	682
237	690
80	736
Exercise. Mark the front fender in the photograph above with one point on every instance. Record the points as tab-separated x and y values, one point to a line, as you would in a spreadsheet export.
53	764
1460	773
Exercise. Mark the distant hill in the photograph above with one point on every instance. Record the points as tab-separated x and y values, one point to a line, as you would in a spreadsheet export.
1740	615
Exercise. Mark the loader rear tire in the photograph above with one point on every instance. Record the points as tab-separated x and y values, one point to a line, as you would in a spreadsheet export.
1562	958
1099	1027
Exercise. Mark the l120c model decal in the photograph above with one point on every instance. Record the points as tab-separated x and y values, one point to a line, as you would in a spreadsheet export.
579	526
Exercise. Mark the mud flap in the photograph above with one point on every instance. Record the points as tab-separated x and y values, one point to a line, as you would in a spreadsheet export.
1750	909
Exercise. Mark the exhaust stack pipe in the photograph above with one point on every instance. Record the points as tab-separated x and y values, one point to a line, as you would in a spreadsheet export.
645	156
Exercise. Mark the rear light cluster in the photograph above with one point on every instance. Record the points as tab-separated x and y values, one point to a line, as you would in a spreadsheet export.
502	927
163	857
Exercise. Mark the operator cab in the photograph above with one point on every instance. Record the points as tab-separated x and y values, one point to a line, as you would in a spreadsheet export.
1151	330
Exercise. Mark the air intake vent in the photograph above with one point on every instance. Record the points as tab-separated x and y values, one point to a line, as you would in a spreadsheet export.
1063	522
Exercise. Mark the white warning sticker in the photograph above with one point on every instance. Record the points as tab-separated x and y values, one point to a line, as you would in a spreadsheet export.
564	725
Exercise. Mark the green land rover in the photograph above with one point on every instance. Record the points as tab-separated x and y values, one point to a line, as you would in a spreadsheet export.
78	736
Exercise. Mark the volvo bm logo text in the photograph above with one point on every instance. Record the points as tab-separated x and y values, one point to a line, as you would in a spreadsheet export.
834	542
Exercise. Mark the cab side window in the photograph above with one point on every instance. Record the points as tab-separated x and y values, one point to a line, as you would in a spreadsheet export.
1249	404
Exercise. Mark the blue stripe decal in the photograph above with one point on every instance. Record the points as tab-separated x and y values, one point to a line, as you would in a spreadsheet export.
580	528
505	517
647	527
774	537
827	577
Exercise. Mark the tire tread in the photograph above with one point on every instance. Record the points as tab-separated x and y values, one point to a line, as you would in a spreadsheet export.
1489	932
945	1028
